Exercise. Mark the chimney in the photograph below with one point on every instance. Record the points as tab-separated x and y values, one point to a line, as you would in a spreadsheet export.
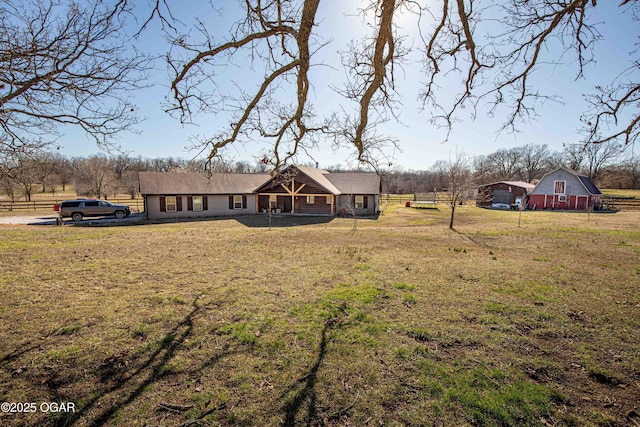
317	165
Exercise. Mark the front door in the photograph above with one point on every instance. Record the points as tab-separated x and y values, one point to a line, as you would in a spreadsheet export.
287	205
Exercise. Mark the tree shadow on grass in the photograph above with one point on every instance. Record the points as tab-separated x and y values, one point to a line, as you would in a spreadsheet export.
17	353
155	367
306	393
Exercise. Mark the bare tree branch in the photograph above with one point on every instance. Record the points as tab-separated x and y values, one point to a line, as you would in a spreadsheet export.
66	65
489	51
288	53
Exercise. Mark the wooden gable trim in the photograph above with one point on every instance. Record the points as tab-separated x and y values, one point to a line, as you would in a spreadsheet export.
301	177
293	191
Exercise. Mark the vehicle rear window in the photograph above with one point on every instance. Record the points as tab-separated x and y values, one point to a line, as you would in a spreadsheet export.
70	204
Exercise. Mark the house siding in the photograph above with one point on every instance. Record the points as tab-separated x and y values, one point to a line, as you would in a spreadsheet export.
218	205
346	200
319	207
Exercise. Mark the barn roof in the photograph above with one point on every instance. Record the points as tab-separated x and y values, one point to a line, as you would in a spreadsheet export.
589	184
586	182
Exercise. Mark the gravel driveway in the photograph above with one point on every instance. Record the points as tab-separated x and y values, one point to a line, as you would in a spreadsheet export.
51	220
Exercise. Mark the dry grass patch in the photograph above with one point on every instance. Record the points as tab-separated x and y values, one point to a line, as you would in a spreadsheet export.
398	323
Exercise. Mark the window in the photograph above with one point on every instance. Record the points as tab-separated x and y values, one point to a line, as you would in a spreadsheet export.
273	201
559	187
327	199
171	204
562	198
197	203
359	202
237	202
311	200
91	204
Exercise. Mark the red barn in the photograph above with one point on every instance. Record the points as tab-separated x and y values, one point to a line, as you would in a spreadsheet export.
565	189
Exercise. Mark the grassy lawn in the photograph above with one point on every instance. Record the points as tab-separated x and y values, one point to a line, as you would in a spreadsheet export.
622	193
400	322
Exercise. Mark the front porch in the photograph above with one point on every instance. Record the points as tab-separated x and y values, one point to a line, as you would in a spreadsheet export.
310	204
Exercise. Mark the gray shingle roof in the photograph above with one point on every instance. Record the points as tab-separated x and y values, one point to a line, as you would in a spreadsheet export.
321	177
589	184
355	182
218	183
198	183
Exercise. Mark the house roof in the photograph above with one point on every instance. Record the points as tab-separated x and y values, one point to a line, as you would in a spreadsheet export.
355	182
219	183
199	183
321	177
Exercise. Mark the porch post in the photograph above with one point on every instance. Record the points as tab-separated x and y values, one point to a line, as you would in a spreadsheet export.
293	195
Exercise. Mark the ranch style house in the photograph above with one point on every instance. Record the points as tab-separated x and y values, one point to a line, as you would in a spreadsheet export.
297	190
565	189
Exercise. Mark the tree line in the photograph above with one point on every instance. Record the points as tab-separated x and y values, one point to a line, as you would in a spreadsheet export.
98	175
609	165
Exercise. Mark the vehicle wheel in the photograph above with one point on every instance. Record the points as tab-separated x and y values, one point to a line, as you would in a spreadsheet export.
120	214
77	217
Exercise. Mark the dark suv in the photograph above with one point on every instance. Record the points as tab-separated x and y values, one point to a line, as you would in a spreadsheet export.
77	209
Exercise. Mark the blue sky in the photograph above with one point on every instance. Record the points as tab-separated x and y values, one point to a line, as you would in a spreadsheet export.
420	143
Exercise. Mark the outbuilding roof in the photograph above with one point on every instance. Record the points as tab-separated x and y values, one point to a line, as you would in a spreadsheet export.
527	186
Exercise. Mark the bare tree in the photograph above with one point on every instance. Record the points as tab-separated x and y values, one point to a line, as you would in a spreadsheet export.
96	176
9	187
62	170
631	168
600	155
614	115
495	65
461	184
573	156
65	63
534	161
26	174
505	163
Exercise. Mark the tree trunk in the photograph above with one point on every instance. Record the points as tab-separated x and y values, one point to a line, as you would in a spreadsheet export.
453	210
